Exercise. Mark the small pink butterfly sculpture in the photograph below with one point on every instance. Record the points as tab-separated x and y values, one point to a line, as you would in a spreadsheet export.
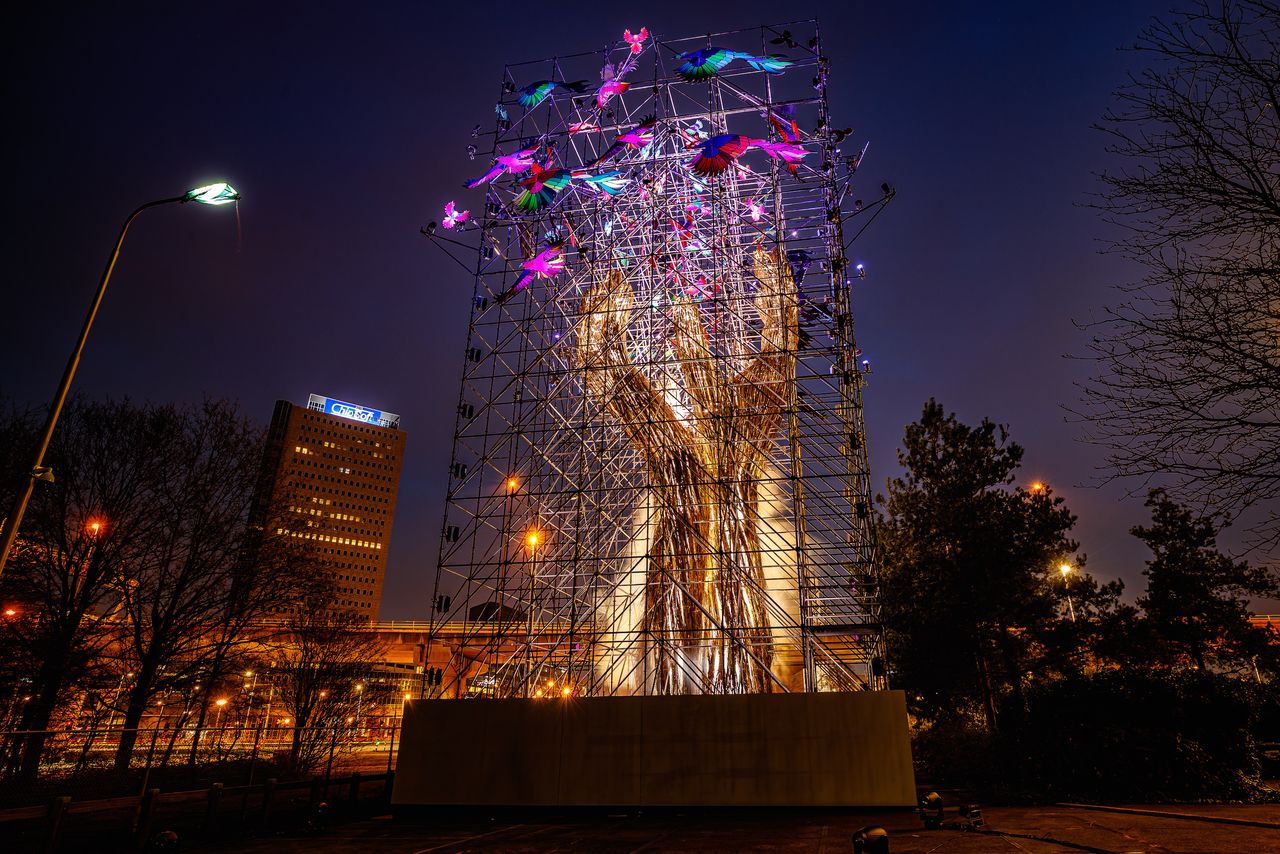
454	217
755	210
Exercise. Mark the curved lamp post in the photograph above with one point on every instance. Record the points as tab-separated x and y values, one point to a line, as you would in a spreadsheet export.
213	194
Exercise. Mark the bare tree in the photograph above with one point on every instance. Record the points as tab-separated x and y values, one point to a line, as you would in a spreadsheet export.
1187	387
322	656
204	572
70	553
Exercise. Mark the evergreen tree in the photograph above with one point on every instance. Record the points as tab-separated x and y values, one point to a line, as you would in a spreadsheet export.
973	600
1196	605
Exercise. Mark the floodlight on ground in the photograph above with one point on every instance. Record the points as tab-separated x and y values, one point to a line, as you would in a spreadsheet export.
871	840
930	808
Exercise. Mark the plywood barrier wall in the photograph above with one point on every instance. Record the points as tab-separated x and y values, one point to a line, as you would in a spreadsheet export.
733	750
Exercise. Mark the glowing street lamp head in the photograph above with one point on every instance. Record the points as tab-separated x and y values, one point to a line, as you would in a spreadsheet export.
532	539
1037	487
214	194
512	483
1065	569
219	703
94	527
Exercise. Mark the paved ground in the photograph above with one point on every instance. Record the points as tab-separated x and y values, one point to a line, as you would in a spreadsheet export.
1032	830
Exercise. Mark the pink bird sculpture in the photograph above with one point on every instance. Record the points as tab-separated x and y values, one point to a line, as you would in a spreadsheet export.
516	163
453	217
639	137
608	90
790	153
790	133
545	264
637	41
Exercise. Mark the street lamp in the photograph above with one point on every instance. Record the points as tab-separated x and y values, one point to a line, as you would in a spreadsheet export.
531	539
213	194
1066	570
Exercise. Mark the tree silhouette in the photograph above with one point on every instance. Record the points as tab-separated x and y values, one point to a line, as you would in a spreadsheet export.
1197	599
1187	379
972	597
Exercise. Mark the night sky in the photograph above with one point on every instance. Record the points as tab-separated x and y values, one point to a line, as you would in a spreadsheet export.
346	129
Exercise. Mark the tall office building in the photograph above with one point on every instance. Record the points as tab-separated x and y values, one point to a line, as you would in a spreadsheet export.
337	465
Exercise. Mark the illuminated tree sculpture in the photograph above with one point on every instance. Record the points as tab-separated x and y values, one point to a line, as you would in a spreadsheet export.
705	587
661	381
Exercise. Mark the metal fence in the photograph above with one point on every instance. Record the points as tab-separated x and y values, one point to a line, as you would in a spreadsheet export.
85	763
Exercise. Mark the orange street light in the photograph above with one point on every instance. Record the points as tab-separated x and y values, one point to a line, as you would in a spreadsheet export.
219	703
94	527
1037	487
1066	569
532	539
512	483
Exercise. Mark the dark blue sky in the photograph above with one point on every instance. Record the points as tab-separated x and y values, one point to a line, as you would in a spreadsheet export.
346	131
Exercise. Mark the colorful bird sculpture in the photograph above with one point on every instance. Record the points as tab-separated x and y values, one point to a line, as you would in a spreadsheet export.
719	152
611	182
520	161
535	93
453	217
545	264
790	133
608	90
541	188
790	153
639	137
636	41
703	64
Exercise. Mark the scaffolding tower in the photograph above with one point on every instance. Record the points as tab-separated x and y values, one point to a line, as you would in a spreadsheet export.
659	480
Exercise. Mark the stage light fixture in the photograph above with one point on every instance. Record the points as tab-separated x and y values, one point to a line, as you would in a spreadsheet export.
871	840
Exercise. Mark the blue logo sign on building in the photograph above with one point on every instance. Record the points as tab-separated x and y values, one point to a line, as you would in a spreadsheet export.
353	411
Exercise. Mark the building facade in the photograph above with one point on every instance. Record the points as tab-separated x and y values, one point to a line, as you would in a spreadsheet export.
337	465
